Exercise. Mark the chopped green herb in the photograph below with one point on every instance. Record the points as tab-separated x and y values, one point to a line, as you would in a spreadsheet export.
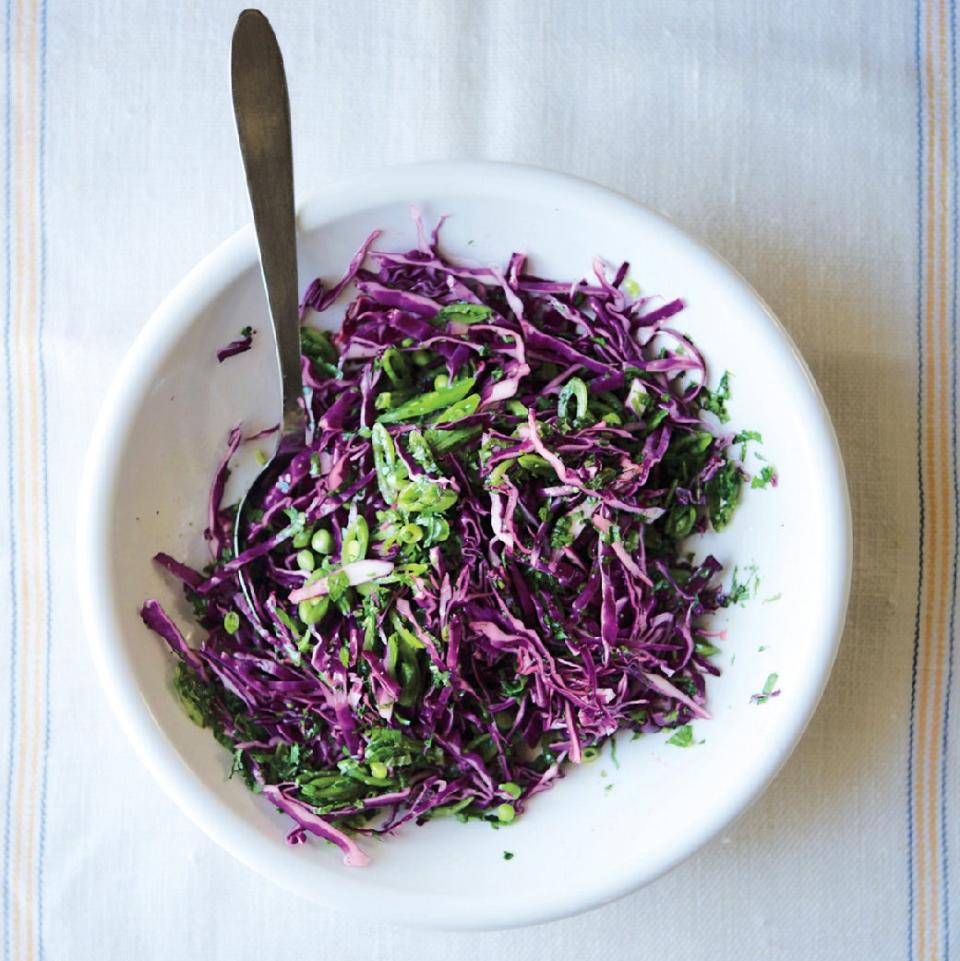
744	588
682	736
297	521
766	476
716	400
337	584
723	494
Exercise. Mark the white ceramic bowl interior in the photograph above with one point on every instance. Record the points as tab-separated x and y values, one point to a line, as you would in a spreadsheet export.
604	830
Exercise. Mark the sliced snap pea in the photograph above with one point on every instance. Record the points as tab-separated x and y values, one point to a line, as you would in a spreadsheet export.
311	611
459	410
410	534
533	462
576	389
500	471
420	449
429	402
410	682
682	519
423	495
355	540
393	650
395	366
317	345
385	461
442	441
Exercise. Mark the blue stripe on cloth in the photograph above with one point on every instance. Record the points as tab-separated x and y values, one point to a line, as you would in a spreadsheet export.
911	893
8	368
44	464
945	745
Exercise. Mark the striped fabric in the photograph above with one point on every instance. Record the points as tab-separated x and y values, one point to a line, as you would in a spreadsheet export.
28	600
815	144
930	762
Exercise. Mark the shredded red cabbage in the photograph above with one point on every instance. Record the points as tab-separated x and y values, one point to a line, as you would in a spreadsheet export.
239	346
470	567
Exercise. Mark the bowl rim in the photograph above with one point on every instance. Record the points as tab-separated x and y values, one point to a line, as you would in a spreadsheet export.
174	315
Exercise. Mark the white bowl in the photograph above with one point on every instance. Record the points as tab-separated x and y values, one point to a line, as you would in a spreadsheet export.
163	427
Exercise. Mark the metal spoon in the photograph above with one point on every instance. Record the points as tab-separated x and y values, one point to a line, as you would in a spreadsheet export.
261	107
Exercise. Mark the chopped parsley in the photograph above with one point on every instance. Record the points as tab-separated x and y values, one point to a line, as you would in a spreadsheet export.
715	401
743	588
682	736
767	476
723	494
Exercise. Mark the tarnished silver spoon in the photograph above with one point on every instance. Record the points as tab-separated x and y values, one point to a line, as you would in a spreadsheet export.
261	107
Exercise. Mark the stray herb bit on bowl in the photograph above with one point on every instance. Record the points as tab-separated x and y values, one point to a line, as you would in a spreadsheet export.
766	477
470	569
743	588
770	689
682	736
242	344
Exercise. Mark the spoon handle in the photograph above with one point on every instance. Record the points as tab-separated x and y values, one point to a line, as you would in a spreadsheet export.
262	111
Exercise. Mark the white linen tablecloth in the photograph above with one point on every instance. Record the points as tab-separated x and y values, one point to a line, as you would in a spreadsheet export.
813	144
